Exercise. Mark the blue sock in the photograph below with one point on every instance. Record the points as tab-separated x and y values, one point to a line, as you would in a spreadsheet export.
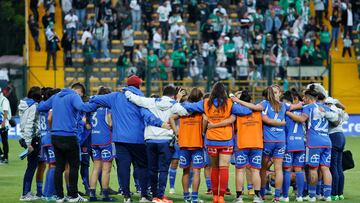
286	183
93	193
105	193
208	183
262	191
327	190
250	186
312	190
194	197
172	177
191	178
187	196
277	192
300	181
318	187
306	189
267	186
39	187
51	184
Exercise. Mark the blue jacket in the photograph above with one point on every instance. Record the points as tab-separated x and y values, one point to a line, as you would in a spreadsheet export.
269	24
65	106
128	119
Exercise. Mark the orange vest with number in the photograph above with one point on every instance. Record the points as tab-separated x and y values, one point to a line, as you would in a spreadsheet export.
249	131
190	131
215	115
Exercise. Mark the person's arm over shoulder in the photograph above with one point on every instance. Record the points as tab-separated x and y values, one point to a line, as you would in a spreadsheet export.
140	101
81	106
150	118
46	105
194	107
240	110
104	100
179	110
272	122
300	118
223	123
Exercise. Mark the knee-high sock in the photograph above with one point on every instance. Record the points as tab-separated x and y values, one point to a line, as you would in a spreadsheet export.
191	178
327	190
318	187
300	181
224	179
172	177
312	190
215	180
39	188
49	188
286	183
208	183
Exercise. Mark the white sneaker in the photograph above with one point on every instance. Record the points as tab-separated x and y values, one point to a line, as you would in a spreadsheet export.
78	199
238	200
284	199
320	198
127	200
60	200
172	191
311	199
327	199
28	197
299	199
258	199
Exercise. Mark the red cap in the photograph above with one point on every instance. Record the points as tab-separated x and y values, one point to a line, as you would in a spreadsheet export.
134	81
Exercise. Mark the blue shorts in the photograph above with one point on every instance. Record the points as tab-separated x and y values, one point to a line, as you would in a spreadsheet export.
207	160
248	157
274	149
318	156
294	159
194	158
103	153
49	154
176	154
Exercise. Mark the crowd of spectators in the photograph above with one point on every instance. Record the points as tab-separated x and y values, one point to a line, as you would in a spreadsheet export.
262	40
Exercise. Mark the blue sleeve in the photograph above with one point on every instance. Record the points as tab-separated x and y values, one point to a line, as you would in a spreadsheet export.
287	107
194	107
103	100
150	118
81	106
306	110
45	105
240	110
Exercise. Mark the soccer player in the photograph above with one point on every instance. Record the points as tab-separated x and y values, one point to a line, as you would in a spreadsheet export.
128	134
29	128
65	107
158	140
318	143
191	148
101	149
273	118
294	158
173	168
47	148
219	140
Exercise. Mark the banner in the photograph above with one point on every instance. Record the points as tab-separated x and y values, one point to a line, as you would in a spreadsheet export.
351	127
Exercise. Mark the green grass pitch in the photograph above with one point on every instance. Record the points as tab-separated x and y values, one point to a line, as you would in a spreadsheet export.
11	179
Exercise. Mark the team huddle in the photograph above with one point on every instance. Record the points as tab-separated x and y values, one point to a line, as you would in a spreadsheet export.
285	140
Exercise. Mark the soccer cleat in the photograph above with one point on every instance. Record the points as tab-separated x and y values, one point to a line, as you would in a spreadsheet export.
284	199
227	192
93	199
311	199
166	200
28	197
60	200
320	198
327	199
276	199
335	198
144	199
108	199
215	199
341	197
221	199
208	192
268	192
127	200
251	192
156	200
78	199
172	191
238	200
258	199
299	199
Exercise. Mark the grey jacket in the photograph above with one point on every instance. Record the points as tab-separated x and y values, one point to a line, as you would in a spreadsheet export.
29	120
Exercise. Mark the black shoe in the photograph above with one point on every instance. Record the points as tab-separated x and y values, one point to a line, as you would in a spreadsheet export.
112	192
93	199
109	199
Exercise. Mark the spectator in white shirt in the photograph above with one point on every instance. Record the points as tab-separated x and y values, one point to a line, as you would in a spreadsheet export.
164	11
157	39
71	21
66	6
135	15
178	29
86	34
220	8
128	40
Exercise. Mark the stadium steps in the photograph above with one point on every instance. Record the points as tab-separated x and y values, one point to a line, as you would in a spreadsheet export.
37	60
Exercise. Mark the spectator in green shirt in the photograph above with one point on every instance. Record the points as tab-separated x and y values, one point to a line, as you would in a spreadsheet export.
179	63
152	64
229	50
325	39
307	47
318	56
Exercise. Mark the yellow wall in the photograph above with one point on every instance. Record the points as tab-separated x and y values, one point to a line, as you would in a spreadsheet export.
346	85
